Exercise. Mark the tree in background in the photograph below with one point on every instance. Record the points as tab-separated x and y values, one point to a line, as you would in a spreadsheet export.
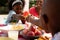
3	2
31	3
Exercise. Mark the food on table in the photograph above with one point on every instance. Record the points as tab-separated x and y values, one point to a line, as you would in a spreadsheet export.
26	14
32	28
17	27
44	38
32	31
38	32
25	31
5	38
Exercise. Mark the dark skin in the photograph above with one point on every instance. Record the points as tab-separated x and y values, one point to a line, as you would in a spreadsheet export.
38	5
18	9
51	10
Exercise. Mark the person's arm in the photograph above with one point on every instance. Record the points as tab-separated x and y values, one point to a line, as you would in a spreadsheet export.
18	17
34	21
11	12
39	22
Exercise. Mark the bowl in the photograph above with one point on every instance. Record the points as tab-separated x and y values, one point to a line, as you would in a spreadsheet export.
29	37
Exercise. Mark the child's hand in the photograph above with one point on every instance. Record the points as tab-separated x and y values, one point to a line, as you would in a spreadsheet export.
22	18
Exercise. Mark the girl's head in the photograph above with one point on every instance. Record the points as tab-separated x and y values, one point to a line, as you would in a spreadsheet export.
39	4
17	6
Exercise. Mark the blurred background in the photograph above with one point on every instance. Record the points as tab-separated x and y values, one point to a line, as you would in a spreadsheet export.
4	8
5	3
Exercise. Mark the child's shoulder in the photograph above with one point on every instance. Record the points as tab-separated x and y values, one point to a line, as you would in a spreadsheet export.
12	12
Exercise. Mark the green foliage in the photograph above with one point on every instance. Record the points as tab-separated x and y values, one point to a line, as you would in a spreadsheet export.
3	6
3	2
32	3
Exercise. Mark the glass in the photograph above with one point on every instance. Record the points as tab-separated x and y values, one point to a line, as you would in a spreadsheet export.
13	35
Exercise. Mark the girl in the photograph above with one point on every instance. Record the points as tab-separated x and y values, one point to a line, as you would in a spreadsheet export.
16	12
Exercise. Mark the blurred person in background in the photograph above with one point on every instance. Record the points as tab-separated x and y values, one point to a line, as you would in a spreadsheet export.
16	11
36	12
36	9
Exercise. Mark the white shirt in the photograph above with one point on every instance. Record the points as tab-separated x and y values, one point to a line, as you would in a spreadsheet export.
56	36
11	12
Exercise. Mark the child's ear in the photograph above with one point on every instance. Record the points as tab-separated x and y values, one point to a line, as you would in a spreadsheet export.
45	17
